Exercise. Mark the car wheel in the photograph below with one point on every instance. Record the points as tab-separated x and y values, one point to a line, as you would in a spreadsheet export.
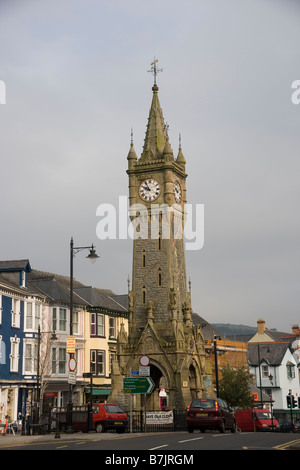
233	429
99	427
202	429
190	429
222	427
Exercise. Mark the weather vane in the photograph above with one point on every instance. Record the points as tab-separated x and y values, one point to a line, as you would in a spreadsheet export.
154	70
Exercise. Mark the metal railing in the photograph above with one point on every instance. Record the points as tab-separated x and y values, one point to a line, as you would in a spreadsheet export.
56	421
142	423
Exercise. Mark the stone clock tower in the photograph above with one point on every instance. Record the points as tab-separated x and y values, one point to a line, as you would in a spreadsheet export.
160	323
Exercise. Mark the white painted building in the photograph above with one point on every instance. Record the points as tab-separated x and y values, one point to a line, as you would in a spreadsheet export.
274	363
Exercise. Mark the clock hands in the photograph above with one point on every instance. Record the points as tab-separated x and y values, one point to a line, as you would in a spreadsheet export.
149	190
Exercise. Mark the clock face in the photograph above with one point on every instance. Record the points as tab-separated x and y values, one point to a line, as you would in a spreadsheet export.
177	191
149	190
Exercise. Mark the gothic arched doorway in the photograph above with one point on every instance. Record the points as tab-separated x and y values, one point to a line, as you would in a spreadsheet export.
153	402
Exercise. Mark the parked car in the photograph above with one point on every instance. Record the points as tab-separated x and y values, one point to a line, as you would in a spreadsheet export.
256	420
109	416
210	413
105	416
287	427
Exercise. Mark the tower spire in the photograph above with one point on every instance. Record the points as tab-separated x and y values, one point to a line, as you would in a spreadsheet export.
132	156
180	158
156	134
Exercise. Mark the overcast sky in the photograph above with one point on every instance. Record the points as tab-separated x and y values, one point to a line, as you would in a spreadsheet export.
76	83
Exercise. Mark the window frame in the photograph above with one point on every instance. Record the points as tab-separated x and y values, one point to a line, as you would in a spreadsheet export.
15	312
59	361
97	366
112	327
14	354
97	328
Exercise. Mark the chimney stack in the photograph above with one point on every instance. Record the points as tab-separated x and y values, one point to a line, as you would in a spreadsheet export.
261	325
296	330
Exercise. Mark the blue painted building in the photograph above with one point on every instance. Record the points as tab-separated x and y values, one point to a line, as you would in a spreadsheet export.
15	315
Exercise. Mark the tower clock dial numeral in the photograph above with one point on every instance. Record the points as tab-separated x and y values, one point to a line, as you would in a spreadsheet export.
177	191
149	190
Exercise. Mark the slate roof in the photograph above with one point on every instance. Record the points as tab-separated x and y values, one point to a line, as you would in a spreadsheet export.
260	393
272	353
208	330
15	265
57	288
281	336
100	298
9	284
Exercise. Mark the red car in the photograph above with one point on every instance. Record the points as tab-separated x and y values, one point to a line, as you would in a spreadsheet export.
210	413
105	416
109	416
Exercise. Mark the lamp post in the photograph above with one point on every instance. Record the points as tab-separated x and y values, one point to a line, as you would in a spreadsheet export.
259	375
216	363
92	256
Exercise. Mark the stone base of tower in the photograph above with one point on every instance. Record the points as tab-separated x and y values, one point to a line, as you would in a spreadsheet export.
179	371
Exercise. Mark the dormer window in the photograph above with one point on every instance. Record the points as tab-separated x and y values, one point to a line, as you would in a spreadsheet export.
290	370
265	371
16	271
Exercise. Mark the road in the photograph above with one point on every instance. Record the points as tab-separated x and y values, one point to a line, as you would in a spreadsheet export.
159	443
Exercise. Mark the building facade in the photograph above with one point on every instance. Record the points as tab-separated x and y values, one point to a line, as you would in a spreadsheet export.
34	329
273	360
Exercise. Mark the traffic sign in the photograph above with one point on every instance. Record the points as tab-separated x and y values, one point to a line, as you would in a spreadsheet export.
144	360
138	385
72	364
144	371
72	378
71	342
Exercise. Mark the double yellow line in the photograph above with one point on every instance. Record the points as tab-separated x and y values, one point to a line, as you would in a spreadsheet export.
287	445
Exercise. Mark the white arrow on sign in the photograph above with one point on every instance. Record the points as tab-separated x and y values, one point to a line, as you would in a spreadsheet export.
151	384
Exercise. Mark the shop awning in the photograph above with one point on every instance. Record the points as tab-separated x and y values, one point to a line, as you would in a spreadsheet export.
99	391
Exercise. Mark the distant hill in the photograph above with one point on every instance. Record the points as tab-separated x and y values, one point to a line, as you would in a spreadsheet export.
229	329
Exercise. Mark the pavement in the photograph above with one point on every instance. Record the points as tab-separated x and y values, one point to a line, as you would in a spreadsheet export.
17	439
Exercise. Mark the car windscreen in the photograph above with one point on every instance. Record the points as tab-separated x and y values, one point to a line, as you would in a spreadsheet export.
203	403
113	409
263	415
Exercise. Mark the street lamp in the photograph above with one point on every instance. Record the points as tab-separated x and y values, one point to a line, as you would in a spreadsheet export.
216	363
92	256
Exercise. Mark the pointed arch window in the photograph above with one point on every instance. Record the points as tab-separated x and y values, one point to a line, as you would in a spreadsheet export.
159	242
159	278
144	295
143	259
